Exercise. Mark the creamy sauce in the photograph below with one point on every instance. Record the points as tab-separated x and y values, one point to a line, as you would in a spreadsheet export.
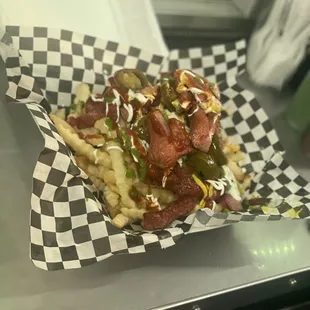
219	185
190	73
193	75
195	90
198	99
180	162
164	180
93	98
96	157
117	102
145	144
132	147
153	200
129	109
233	191
132	95
141	98
213	205
190	115
107	108
115	147
99	145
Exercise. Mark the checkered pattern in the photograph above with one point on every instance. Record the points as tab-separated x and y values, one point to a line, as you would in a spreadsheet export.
22	86
69	225
216	63
61	59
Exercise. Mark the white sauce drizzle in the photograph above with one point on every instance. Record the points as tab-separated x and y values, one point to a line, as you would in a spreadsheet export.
219	185
129	109
135	158
115	147
153	200
145	144
180	162
164	180
117	101
195	90
141	98
233	191
132	95
194	75
107	108
190	73
93	98
190	115
96	157
213	205
132	147
99	145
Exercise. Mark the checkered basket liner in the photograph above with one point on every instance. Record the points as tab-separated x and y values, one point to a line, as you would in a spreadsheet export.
216	63
69	225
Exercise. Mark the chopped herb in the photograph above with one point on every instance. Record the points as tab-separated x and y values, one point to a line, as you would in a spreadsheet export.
130	173
165	81
198	80
126	139
109	123
177	106
109	99
165	115
212	84
73	107
136	153
134	193
142	170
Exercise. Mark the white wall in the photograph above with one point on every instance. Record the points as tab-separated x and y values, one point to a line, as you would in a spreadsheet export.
126	21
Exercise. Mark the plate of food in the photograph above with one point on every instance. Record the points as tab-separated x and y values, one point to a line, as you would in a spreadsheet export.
129	166
156	151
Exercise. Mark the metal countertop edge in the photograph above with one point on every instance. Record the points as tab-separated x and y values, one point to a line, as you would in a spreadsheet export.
229	290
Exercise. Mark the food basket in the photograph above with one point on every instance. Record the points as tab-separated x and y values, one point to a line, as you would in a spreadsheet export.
69	227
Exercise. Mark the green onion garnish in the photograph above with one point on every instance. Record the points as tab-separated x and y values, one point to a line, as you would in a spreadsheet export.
109	123
130	173
109	99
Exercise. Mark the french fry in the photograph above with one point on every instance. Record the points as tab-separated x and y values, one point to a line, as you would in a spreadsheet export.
135	214
238	156
118	165
112	198
79	145
121	220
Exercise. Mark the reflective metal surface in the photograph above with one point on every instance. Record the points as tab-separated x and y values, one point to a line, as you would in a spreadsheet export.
200	265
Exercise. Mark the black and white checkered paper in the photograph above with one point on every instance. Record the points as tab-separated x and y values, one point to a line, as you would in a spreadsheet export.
69	224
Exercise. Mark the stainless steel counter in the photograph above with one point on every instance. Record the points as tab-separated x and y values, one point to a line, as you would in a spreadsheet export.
200	265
